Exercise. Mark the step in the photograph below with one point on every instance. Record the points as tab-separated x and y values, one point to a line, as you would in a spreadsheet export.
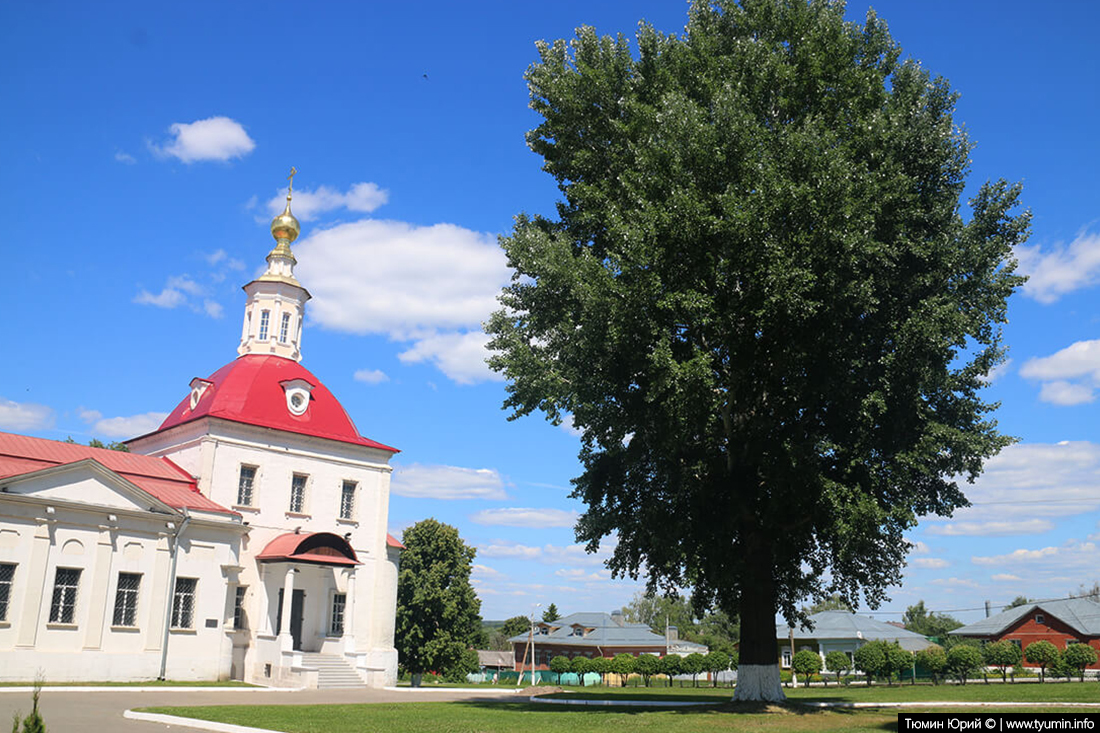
333	671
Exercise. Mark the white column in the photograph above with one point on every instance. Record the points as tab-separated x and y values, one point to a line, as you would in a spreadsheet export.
349	615
286	641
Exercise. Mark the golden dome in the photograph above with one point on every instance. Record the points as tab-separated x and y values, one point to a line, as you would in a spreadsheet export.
285	227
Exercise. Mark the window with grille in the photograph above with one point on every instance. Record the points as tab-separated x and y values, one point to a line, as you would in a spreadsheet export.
126	599
298	493
244	486
63	605
284	328
265	319
240	619
7	575
339	602
183	603
347	500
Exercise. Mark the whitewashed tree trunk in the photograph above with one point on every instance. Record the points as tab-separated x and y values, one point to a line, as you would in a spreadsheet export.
758	683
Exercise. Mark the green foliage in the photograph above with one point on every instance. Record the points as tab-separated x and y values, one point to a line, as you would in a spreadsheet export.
1002	654
933	659
716	662
601	666
515	626
437	609
759	301
467	664
898	660
871	659
560	665
1017	601
551	613
623	665
33	723
97	443
806	663
963	660
918	620
1079	656
672	665
1042	653
694	664
648	665
839	663
581	666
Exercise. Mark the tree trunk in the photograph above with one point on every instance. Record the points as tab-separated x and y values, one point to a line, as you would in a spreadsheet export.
758	673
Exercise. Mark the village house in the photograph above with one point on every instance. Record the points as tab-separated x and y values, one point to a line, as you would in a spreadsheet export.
843	631
1062	623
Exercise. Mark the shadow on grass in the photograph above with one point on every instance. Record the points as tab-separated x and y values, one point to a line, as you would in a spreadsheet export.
728	707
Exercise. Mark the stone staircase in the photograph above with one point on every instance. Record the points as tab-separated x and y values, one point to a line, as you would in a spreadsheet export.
333	671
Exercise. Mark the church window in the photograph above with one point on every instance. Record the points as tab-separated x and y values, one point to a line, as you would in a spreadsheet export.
298	493
284	328
339	603
7	575
265	319
240	618
347	500
244	486
63	605
126	599
183	603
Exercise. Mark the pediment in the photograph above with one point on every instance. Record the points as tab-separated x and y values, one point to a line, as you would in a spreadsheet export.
85	482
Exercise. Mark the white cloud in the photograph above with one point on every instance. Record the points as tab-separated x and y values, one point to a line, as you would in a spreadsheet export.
579	575
998	372
1030	481
1048	563
429	287
992	529
919	548
1005	578
124	427
524	517
1061	269
123	157
461	356
1069	376
484	571
929	562
447	482
956	582
548	554
179	291
24	415
215	138
371	376
308	205
568	426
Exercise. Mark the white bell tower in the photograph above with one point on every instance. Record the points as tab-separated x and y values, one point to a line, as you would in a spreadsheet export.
276	300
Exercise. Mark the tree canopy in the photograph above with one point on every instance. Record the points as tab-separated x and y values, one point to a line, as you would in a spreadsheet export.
919	620
551	613
437	609
760	303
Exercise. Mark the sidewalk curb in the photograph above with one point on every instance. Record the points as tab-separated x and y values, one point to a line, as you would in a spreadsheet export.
125	688
193	723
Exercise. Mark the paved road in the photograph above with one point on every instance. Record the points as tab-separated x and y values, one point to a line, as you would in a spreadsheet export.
101	712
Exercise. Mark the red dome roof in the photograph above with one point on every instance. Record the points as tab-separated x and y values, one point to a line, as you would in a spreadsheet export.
250	390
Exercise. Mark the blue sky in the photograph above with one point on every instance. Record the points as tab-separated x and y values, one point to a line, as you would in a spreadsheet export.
145	147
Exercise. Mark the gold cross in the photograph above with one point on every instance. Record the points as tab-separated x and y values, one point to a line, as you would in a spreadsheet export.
290	178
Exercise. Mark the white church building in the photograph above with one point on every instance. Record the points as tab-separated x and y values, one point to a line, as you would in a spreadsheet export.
243	539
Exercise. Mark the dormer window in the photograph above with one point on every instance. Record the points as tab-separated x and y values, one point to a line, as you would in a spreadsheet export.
198	388
265	320
1040	618
297	395
284	328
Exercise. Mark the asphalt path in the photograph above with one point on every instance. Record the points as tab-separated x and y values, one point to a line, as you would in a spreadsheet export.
81	711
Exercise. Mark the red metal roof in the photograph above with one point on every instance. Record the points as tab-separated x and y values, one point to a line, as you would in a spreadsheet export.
394	542
323	548
158	477
249	390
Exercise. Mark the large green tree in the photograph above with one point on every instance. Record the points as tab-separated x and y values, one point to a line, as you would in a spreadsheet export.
919	620
437	609
760	302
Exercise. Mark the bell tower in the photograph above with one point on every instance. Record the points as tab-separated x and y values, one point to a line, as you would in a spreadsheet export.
276	300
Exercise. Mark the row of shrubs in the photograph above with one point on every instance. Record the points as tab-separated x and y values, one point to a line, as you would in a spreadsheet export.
883	660
647	666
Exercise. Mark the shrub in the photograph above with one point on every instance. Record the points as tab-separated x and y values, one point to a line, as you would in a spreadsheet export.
806	664
871	659
934	659
647	666
898	660
962	660
1002	654
1079	656
1042	653
560	665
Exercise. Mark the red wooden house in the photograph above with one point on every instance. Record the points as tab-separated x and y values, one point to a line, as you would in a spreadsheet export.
1064	622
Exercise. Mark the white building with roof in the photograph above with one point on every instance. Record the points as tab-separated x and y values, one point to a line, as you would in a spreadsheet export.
245	538
843	631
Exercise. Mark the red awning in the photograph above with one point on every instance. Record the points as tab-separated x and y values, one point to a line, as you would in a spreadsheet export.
319	548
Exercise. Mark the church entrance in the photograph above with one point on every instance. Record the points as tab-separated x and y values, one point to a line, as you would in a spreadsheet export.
297	611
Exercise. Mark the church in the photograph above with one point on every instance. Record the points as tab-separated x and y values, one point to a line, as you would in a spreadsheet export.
243	539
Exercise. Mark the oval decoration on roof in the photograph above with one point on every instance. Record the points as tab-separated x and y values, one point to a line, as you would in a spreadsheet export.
318	548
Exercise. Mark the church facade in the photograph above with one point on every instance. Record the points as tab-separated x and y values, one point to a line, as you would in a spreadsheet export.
243	539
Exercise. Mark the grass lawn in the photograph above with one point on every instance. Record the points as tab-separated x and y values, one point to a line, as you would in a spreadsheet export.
504	717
